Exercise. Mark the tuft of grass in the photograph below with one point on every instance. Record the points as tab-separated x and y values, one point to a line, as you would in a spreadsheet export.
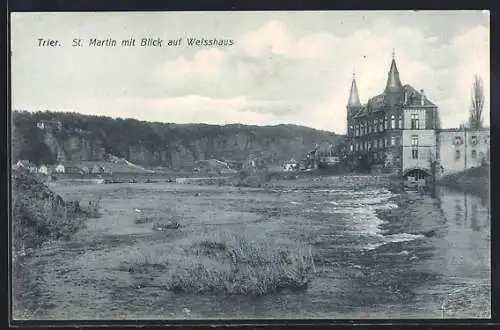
228	263
160	220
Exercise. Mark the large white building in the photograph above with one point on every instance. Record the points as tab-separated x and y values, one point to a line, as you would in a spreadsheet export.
461	149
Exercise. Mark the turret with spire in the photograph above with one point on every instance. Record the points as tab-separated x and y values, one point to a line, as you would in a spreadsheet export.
394	87
353	94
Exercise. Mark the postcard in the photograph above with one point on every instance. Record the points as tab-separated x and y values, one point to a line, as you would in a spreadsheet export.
250	165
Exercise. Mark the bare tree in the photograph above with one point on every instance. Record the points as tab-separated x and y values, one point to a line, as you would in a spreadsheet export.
477	103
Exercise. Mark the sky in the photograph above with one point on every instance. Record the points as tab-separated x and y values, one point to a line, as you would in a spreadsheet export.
283	67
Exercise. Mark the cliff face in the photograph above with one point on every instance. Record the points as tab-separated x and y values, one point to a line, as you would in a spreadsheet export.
48	137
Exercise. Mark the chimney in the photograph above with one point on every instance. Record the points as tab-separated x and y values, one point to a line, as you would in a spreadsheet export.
422	97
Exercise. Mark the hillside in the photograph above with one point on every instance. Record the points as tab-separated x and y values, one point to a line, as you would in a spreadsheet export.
50	137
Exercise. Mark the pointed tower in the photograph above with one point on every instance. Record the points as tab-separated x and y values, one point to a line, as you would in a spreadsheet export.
394	87
353	104
353	94
393	82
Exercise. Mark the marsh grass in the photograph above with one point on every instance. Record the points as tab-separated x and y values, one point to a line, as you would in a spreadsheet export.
168	219
226	263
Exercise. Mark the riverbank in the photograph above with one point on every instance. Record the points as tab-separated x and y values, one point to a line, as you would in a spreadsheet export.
421	214
40	215
475	180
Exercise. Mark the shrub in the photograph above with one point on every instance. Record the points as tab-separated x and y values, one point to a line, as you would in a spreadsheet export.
160	220
229	264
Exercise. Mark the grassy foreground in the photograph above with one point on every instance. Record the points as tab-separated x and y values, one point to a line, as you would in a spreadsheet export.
38	214
223	263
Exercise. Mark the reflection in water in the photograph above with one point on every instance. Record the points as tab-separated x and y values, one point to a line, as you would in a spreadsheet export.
465	250
467	210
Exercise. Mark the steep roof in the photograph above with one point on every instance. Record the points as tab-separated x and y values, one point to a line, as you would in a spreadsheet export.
353	94
393	84
414	97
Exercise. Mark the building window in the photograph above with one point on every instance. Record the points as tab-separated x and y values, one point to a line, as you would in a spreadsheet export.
473	139
393	121
457	154
414	140
473	153
400	123
414	153
381	124
414	121
457	140
351	147
393	140
386	123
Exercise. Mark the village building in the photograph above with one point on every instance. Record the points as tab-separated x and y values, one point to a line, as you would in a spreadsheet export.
399	132
59	168
49	124
43	170
25	164
291	165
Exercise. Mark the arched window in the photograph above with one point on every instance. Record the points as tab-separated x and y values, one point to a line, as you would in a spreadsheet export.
400	124
393	121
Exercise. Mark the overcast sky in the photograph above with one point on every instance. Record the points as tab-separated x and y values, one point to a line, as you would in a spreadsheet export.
284	67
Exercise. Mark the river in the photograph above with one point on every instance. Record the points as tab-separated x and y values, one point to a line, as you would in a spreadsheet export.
377	253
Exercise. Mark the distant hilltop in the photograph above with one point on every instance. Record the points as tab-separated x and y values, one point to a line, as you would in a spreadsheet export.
51	137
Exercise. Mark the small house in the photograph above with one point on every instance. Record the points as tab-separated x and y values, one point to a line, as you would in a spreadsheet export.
27	165
43	170
21	164
59	168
